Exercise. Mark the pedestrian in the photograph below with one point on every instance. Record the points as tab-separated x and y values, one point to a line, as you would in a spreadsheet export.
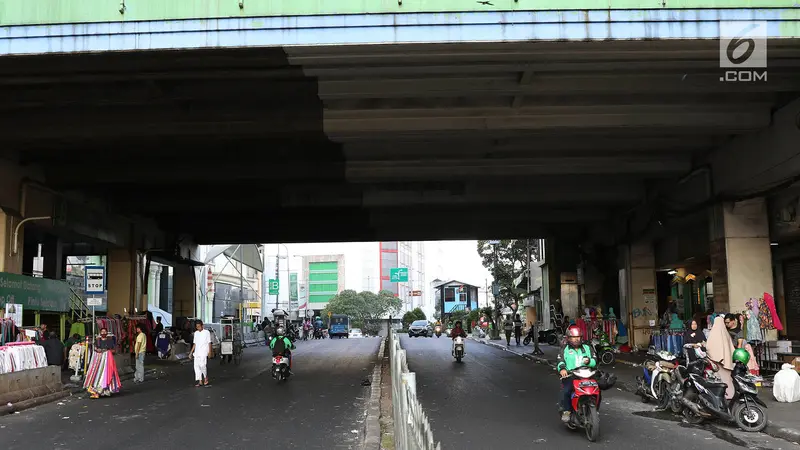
201	350
54	350
102	377
139	348
517	328
508	327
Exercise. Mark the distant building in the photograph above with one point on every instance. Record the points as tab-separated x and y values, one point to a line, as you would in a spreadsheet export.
324	279
409	255
455	296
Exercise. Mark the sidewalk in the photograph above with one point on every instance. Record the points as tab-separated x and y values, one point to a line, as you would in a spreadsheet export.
783	417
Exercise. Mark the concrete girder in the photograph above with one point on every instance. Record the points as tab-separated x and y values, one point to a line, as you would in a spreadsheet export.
70	175
474	195
620	84
760	160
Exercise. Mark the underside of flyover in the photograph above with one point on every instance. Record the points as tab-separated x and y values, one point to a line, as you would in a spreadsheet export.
341	143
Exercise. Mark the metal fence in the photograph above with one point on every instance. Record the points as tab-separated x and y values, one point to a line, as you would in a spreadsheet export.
412	431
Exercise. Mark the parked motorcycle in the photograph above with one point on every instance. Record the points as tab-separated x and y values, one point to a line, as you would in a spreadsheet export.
458	348
438	331
550	337
585	403
606	353
657	377
280	368
703	398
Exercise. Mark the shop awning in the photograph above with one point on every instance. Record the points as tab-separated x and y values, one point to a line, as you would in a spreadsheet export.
247	254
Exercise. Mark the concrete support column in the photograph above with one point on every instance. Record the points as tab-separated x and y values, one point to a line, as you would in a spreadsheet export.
638	279
741	256
183	291
52	251
155	294
122	280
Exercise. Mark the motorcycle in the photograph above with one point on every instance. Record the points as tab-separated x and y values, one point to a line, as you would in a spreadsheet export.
280	368
657	378
606	352
585	403
550	337
438	331
458	348
704	398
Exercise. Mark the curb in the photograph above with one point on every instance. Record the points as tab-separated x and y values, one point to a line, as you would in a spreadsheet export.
34	402
787	434
372	435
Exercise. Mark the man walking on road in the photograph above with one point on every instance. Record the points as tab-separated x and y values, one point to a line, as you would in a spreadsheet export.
139	348
517	328
201	350
508	327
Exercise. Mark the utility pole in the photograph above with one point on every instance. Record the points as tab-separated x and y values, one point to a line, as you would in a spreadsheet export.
241	281
495	293
277	275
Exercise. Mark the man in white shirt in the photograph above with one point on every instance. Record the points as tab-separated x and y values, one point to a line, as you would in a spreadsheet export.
201	350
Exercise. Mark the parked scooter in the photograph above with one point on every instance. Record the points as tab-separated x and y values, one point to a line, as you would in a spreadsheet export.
551	337
657	377
458	348
704	398
606	353
585	403
438	331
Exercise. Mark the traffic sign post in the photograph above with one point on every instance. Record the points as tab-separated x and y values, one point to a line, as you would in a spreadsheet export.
94	283
274	287
398	275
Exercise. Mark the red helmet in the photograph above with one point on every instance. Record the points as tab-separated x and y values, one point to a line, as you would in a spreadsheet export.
573	331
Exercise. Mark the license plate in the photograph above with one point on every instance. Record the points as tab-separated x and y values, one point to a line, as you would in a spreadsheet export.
587	384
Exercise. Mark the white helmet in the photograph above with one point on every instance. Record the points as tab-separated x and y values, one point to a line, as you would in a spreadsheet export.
279	331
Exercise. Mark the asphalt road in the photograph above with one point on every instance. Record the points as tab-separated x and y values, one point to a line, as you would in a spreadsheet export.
323	406
498	400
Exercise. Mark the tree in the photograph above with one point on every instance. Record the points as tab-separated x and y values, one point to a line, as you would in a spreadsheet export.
437	311
415	314
363	307
507	261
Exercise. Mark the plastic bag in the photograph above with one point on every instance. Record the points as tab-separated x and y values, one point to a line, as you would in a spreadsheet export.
786	388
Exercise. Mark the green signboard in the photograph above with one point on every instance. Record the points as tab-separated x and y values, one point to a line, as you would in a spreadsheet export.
274	287
293	289
34	294
398	275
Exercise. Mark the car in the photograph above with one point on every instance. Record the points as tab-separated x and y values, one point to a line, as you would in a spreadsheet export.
420	328
356	333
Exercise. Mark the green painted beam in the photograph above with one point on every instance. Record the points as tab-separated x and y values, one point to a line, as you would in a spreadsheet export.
38	12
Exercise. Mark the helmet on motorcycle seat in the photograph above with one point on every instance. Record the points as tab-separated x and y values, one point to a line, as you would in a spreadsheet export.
279	331
741	355
573	331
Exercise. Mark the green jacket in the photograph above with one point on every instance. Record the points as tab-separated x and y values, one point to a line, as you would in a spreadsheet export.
286	342
570	358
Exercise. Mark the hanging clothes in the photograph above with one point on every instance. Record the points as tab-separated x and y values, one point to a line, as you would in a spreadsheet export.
776	321
18	356
752	326
102	377
764	316
77	328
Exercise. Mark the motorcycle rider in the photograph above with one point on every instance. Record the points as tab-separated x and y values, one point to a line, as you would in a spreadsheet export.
458	330
573	354
281	345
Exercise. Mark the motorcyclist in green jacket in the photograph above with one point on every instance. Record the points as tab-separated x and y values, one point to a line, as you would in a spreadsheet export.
573	355
282	345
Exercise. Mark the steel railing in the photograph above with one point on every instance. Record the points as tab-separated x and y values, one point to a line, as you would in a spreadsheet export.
412	431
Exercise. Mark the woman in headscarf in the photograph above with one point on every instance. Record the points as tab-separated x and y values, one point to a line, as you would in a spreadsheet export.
694	336
720	350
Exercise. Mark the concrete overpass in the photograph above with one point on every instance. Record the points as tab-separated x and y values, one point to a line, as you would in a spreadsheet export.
242	123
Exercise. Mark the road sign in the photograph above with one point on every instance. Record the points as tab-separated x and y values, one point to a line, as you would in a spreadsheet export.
398	275
94	301
274	287
416	293
329	314
494	242
94	280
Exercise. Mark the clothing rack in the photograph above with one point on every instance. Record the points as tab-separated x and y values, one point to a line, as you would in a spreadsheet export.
8	331
667	340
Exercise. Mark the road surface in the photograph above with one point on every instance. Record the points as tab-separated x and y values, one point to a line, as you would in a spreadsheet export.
322	407
498	400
